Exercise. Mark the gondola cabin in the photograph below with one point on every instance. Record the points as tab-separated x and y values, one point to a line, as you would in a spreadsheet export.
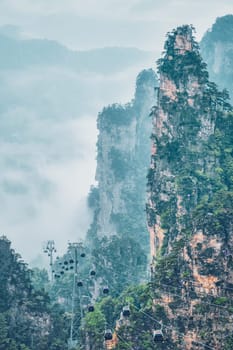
108	334
158	336
126	311
91	308
105	290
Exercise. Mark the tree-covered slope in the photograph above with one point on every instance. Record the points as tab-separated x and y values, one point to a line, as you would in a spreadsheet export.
28	320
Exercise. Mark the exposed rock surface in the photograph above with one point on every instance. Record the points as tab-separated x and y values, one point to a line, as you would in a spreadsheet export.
190	200
217	51
118	202
122	160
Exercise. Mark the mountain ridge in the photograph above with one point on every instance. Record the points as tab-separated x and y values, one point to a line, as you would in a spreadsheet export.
18	53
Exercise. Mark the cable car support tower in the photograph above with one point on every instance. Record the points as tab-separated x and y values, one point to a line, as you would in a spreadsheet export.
76	250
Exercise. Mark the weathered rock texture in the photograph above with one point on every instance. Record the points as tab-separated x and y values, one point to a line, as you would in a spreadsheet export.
190	200
122	161
119	230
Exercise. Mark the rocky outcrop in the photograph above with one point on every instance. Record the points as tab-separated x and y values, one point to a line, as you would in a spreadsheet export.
122	159
217	51
188	196
118	202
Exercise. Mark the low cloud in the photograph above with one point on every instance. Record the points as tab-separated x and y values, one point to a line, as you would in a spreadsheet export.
48	147
48	115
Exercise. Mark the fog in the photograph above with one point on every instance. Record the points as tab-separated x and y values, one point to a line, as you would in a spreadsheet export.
86	24
47	141
50	98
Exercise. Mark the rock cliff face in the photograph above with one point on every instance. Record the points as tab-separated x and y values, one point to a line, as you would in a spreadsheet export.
118	203
122	160
217	51
190	200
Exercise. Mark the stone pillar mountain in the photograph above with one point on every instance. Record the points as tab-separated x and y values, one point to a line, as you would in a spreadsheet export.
118	232
217	51
188	301
122	160
190	199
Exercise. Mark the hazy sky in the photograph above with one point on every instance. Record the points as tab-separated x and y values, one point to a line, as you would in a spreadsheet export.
48	149
85	24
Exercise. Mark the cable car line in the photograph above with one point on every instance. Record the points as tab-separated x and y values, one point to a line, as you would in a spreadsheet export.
123	341
172	327
169	327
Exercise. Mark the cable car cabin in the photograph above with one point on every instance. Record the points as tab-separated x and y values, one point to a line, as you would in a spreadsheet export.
105	290
91	308
80	284
92	273
108	334
158	336
126	311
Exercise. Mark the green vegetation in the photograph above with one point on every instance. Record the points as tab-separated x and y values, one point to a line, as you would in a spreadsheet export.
27	316
137	329
191	199
190	185
119	164
216	46
121	260
114	116
179	68
118	203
